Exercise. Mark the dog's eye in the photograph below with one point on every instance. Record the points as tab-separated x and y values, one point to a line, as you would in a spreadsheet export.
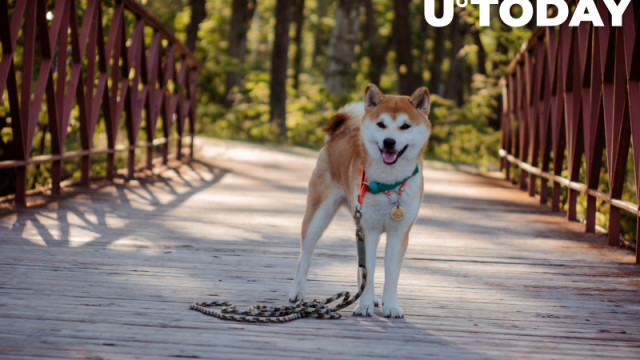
405	126
381	125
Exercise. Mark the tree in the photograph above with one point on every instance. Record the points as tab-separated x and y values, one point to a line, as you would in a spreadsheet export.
455	79
298	18
344	37
481	54
376	46
198	13
279	61
321	34
435	68
408	81
241	13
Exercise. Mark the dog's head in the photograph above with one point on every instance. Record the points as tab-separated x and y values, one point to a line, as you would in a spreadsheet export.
395	128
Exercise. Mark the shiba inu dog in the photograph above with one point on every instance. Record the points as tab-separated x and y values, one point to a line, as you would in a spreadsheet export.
378	142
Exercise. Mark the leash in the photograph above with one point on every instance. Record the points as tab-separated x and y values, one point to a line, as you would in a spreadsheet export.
318	309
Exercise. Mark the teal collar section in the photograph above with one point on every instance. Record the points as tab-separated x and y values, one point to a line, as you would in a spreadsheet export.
376	188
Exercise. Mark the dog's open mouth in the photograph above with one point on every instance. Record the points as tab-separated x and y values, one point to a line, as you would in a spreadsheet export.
390	157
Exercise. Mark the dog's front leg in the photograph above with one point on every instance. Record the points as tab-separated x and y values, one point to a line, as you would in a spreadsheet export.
366	304
396	248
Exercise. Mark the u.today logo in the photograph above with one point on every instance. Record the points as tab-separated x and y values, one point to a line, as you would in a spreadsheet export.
586	10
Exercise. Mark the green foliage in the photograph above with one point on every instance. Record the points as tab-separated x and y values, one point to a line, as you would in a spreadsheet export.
248	118
462	134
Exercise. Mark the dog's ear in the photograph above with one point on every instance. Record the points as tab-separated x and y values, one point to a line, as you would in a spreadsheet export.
421	99
372	96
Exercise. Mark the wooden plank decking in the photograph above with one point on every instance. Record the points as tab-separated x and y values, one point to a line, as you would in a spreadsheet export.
109	272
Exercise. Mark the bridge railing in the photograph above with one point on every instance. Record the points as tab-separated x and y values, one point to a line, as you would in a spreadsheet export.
91	62
574	92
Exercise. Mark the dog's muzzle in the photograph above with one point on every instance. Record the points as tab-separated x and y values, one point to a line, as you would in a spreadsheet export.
388	151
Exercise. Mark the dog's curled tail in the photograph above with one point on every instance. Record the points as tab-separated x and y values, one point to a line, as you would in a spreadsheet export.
346	116
336	122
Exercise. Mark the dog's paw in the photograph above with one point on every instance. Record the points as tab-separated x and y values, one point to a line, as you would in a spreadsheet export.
392	311
296	296
364	309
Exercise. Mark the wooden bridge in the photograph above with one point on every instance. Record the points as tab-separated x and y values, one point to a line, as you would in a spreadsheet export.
106	267
109	272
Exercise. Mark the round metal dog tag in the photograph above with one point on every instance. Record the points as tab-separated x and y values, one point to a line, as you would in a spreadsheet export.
397	213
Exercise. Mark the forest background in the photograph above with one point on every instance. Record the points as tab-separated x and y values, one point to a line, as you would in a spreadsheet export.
275	70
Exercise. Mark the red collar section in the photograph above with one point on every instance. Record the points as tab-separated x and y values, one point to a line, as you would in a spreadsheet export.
363	187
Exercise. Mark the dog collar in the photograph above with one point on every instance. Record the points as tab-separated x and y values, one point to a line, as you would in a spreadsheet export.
376	187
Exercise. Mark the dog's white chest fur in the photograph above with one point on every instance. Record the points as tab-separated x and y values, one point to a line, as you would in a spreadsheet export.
376	209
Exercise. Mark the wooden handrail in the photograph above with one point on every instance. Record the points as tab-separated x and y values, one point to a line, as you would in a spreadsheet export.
156	24
576	91
101	72
578	186
79	153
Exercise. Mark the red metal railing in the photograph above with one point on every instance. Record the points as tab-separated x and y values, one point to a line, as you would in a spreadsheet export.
100	61
576	91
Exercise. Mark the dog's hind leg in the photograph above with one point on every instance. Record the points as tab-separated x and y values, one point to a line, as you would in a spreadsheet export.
321	207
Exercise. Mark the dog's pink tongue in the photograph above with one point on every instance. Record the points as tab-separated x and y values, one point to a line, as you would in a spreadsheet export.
389	157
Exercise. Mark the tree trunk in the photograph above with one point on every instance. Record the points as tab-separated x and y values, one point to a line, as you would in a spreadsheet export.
500	62
419	43
198	13
369	29
321	34
298	18
453	89
241	13
435	69
344	37
482	55
402	35
279	60
377	47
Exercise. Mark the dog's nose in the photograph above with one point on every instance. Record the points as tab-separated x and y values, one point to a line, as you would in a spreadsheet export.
389	143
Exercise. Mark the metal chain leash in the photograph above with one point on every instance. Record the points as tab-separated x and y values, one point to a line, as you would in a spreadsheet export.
319	309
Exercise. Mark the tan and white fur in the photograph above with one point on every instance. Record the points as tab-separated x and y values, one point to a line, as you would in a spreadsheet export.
387	135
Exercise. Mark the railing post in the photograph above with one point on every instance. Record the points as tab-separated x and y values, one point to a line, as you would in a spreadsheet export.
165	152
150	156
85	169
131	160
590	215
614	226
21	186
572	200
111	164
637	237
56	175
193	85
555	197
179	145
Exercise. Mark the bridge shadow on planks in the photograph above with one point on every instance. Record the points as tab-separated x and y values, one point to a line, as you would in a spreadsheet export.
91	207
